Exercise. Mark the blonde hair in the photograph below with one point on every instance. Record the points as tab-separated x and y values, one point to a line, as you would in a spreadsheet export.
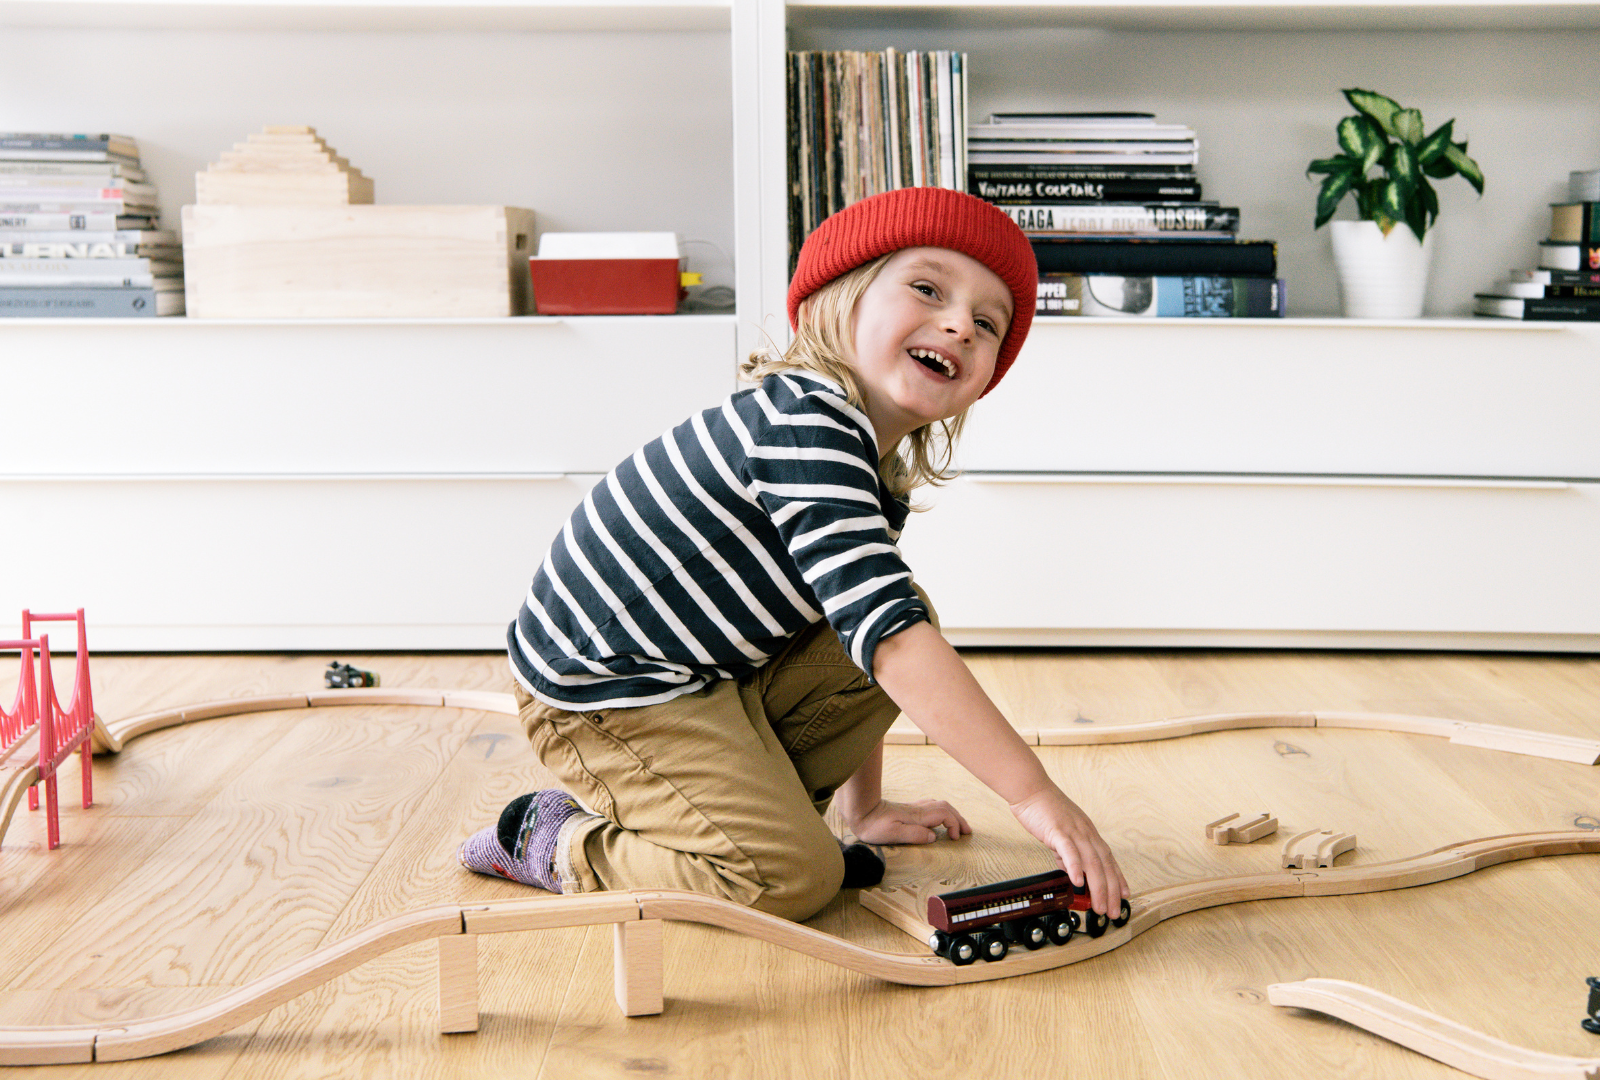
823	343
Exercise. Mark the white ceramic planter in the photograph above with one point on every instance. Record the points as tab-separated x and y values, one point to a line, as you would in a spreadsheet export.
1380	277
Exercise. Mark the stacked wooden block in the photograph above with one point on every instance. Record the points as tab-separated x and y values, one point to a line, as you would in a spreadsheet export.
283	227
282	165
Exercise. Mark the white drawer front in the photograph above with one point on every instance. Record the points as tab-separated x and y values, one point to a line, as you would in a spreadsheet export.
306	564
1335	397
1106	560
202	397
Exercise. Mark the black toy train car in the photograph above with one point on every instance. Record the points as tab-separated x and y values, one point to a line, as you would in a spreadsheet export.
1031	911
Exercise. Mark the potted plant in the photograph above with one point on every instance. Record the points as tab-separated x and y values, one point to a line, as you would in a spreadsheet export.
1382	259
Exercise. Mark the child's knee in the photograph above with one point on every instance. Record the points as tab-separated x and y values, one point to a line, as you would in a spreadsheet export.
801	880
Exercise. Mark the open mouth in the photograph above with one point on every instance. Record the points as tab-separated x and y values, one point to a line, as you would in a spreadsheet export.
933	362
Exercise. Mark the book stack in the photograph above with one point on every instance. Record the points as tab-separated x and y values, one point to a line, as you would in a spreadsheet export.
79	230
1112	204
1565	287
861	123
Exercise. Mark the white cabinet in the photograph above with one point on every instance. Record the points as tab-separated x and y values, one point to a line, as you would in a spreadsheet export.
1042	559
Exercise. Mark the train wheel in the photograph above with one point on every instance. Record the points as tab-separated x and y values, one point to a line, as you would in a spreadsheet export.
992	945
1060	928
1123	916
1096	923
962	950
1029	933
939	942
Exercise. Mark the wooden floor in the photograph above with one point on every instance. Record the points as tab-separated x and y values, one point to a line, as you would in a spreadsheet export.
222	850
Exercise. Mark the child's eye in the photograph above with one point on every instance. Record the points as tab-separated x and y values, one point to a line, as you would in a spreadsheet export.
924	288
989	326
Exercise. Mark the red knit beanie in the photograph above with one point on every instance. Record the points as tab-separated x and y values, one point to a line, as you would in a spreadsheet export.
924	217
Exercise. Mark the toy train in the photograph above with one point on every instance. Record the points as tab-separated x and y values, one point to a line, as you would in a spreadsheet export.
1029	911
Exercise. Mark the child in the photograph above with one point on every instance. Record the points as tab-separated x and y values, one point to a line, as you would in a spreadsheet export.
715	644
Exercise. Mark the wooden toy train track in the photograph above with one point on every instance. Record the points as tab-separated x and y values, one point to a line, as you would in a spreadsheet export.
637	916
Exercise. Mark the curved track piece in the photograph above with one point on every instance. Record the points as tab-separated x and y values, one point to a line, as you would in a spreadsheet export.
904	905
15	780
1428	1033
174	1031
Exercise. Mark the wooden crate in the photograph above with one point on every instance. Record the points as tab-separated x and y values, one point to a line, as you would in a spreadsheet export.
356	261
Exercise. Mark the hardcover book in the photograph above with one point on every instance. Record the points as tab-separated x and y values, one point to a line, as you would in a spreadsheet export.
1158	257
1155	218
1186	296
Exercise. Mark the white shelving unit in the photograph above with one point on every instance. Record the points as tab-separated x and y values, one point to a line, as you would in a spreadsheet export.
1303	482
339	484
344	484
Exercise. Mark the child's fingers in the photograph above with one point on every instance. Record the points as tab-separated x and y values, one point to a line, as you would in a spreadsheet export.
935	812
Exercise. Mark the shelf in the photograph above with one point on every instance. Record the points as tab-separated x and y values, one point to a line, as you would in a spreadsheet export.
512	15
1369	326
989	15
680	322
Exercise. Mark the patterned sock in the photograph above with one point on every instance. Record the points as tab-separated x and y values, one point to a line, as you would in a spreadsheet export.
521	846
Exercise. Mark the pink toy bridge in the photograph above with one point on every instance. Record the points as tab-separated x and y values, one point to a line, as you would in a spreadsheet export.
36	709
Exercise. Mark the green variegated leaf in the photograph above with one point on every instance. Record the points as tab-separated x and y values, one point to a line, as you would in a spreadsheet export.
1403	169
1380	108
1456	154
1408	126
1362	140
1416	218
1334	189
1432	148
1391	205
1430	200
1332	165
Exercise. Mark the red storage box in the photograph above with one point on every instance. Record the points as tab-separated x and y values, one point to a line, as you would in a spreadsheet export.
605	286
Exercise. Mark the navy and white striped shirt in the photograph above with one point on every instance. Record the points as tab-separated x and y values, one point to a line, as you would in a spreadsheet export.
699	557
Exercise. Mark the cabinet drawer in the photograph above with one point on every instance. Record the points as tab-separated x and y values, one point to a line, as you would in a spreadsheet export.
274	564
1108	560
219	397
1338	397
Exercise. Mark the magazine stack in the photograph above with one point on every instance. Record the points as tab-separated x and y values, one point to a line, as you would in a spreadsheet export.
1112	203
80	233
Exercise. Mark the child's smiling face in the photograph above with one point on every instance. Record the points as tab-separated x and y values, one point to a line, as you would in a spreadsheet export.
927	331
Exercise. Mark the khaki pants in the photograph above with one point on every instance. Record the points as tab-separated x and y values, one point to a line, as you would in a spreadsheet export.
720	791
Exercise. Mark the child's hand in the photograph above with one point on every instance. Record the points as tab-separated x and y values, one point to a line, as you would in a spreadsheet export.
1058	823
909	823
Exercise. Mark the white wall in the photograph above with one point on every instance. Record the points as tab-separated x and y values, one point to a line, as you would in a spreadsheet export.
594	131
1265	103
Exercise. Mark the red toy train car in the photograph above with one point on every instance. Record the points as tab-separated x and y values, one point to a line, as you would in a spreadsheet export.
1031	911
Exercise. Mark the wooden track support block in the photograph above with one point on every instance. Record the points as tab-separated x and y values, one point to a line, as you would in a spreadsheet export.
1234	830
637	963
1316	847
458	983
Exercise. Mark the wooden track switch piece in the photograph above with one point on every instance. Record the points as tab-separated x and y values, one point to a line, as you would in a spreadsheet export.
1232	830
1316	847
458	983
637	967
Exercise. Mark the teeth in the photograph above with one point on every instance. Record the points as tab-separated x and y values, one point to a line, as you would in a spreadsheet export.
929	354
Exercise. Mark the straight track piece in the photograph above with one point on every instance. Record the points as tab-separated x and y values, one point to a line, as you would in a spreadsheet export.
1233	830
